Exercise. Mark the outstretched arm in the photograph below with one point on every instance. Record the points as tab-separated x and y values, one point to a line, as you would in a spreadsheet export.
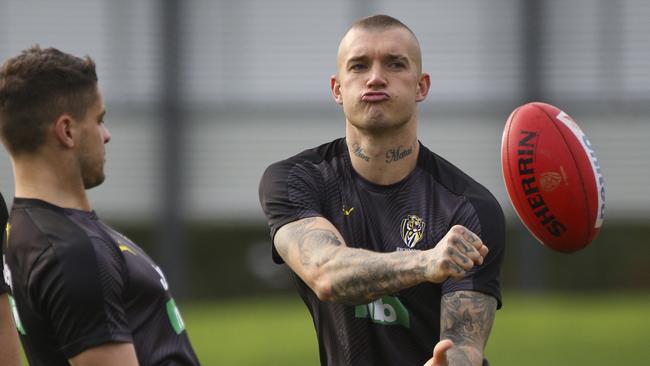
315	251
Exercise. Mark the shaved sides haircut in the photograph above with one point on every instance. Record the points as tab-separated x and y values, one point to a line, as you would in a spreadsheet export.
379	22
382	22
38	86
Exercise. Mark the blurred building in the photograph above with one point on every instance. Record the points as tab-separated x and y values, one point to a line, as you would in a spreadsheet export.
237	85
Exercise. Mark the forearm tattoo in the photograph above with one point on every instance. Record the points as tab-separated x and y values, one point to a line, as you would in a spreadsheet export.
370	275
356	276
466	319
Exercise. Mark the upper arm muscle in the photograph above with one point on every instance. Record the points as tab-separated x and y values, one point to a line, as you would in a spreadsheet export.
306	244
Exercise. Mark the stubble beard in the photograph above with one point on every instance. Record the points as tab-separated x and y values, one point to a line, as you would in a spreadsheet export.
92	172
95	181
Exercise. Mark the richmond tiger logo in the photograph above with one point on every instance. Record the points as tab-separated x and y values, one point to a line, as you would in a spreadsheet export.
412	229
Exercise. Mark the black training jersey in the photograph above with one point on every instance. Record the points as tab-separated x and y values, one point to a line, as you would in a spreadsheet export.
4	216
413	214
78	284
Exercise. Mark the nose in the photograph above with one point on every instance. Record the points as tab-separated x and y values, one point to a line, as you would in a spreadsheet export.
376	77
106	134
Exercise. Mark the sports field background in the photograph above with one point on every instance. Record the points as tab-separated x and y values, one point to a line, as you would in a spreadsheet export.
532	330
203	95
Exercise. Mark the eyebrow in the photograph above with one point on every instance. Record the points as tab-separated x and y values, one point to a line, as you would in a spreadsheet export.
356	59
390	57
398	58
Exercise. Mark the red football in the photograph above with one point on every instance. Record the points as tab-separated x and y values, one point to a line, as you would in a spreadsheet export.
552	176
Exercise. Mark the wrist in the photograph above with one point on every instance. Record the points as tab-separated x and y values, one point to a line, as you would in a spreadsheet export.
426	267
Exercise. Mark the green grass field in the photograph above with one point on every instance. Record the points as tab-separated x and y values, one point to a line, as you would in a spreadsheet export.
612	329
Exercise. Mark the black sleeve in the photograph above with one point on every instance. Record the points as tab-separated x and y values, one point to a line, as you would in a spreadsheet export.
78	285
483	216
289	191
4	216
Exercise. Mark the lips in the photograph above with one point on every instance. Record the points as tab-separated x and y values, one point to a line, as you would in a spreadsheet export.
373	97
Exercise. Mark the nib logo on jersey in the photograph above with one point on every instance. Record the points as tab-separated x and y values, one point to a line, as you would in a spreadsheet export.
412	230
12	303
385	311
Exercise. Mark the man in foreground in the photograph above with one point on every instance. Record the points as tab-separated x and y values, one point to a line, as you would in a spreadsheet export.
85	294
395	250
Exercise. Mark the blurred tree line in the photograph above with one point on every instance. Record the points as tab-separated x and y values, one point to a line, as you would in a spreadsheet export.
224	260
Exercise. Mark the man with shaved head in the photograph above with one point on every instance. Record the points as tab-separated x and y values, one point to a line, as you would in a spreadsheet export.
395	251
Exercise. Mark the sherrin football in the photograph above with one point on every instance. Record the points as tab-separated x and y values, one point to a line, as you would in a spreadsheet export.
552	177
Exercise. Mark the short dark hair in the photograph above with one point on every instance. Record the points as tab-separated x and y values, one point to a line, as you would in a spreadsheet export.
38	86
379	22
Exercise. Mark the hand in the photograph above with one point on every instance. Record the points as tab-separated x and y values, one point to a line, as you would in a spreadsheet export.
455	254
440	353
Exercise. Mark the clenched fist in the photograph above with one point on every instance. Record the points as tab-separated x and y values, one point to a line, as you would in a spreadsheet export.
454	255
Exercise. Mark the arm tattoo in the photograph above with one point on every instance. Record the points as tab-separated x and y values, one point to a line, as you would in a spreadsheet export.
309	253
466	319
294	229
356	276
370	275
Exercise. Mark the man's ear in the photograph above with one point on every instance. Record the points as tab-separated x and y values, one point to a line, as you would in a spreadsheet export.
335	86
64	130
423	87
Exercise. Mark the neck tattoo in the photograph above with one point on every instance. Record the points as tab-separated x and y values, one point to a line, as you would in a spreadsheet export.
400	153
358	151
